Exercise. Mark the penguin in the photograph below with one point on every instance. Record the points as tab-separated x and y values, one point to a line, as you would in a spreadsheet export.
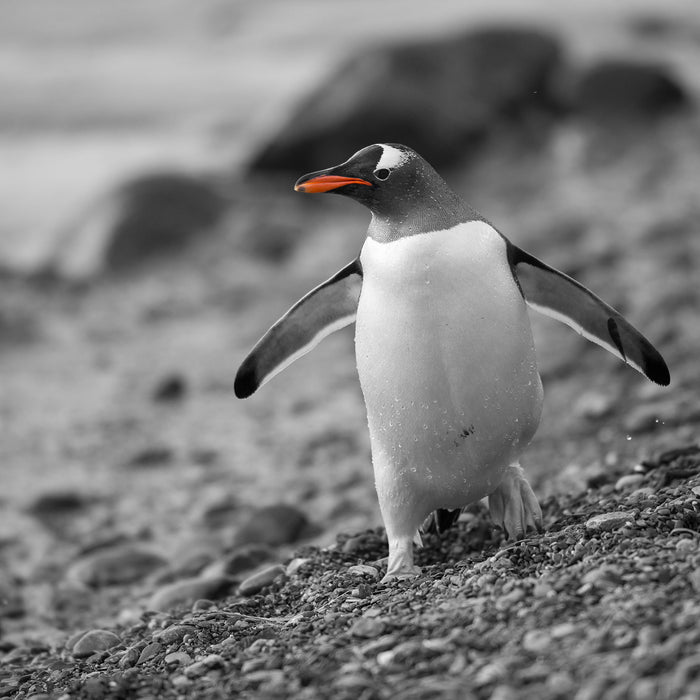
444	347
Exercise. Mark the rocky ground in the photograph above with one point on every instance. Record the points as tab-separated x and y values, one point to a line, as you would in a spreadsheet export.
159	538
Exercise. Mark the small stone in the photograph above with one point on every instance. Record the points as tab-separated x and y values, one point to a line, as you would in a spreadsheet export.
149	651
628	481
152	456
295	565
180	681
271	677
255	583
536	641
178	657
126	563
170	388
606	522
368	628
94	641
273	525
173	634
603	576
199	668
363	570
184	593
694	577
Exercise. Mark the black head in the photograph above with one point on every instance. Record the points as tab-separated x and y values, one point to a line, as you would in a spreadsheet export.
403	192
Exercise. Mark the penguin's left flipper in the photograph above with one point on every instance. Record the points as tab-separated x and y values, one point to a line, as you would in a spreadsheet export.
325	309
557	295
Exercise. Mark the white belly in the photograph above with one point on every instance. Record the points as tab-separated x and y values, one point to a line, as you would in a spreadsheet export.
447	366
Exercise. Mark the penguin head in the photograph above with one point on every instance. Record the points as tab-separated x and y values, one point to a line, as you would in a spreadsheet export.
389	179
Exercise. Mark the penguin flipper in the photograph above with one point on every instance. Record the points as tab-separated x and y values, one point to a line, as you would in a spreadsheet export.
557	295
325	309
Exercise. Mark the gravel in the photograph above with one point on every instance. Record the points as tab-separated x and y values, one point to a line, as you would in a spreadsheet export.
599	605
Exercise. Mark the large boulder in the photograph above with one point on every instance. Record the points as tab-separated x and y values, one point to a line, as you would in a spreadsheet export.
627	91
139	220
437	96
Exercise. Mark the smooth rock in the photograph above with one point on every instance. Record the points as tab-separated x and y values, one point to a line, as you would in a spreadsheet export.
606	522
182	594
627	90
94	641
116	565
273	525
438	95
255	583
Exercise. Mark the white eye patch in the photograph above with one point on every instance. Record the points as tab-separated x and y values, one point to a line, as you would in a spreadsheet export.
391	157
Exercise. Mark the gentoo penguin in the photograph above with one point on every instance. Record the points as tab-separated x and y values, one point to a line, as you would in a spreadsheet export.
444	347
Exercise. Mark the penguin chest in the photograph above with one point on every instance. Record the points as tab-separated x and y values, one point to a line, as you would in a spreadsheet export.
446	362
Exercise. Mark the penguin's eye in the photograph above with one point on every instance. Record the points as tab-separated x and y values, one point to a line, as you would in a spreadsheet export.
382	173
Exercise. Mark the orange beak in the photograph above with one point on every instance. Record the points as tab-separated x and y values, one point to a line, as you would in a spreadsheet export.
325	183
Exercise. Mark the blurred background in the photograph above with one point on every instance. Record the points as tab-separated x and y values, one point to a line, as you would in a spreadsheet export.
149	235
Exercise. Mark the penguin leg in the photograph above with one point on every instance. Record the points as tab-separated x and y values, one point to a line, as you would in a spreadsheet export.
513	504
402	517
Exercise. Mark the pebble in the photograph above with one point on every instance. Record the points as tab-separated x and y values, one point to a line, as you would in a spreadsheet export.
628	481
149	651
295	565
593	405
267	677
199	668
130	657
178	657
606	522
255	583
170	388
369	628
184	593
273	525
245	558
94	641
125	563
152	456
536	641
364	570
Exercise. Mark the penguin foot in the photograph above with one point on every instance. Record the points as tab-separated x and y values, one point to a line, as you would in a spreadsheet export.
406	572
513	505
400	563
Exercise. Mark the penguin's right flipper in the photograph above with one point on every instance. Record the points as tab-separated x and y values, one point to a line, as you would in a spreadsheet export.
325	309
